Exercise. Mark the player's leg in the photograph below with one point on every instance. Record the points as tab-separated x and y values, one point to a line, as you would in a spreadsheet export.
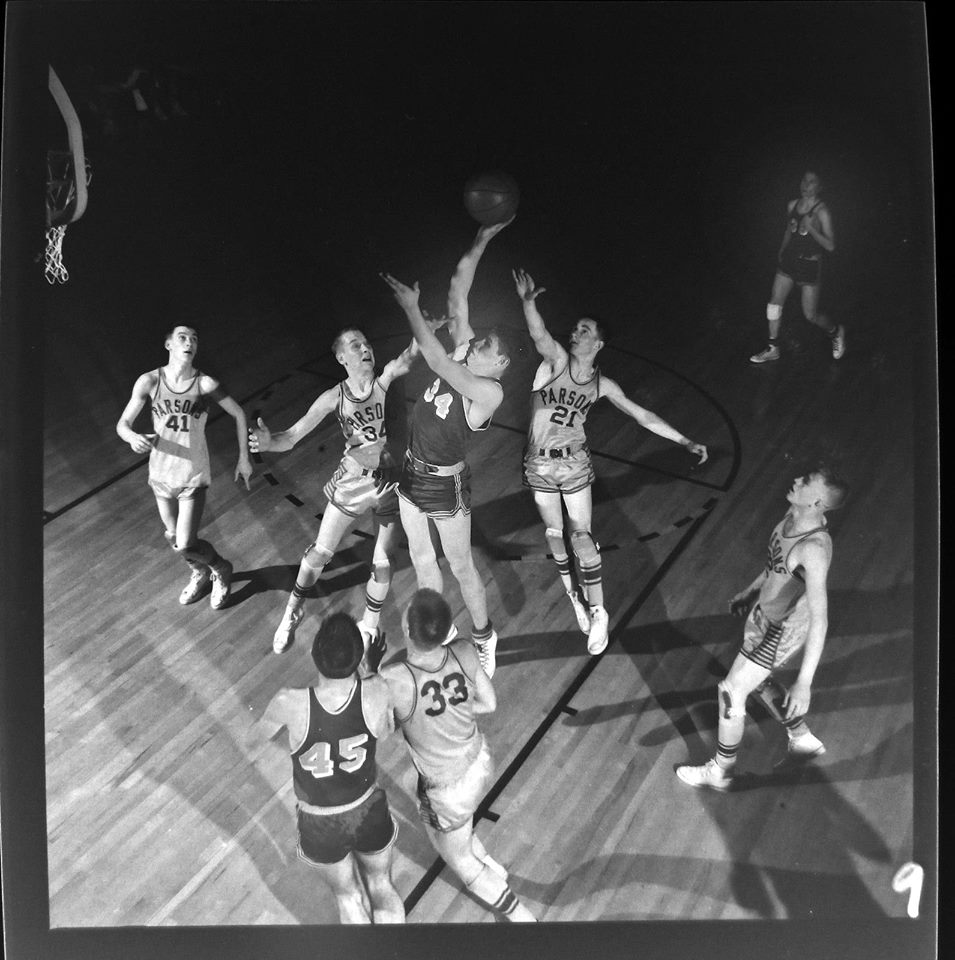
191	504
802	744
587	552
481	853
456	849
744	678
334	524
455	535
782	285
810	308
341	878
379	583
200	575
374	842
386	905
552	513
425	561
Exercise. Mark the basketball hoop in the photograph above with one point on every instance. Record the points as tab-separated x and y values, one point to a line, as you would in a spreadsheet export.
53	258
61	204
66	192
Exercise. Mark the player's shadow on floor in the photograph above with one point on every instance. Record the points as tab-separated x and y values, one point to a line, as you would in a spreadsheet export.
841	835
347	570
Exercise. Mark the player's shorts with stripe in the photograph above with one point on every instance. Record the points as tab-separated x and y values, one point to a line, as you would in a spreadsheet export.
354	490
447	806
439	497
770	643
329	837
167	491
552	474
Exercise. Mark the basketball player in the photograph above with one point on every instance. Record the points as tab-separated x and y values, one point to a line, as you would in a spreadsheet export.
365	479
435	478
557	464
808	235
343	817
436	693
790	614
178	395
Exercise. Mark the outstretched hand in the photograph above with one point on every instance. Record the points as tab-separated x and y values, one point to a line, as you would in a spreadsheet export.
796	701
490	230
142	442
526	288
244	470
375	653
406	296
698	450
260	437
740	604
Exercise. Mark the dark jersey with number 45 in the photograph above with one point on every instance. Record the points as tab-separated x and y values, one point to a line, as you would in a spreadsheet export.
334	765
440	729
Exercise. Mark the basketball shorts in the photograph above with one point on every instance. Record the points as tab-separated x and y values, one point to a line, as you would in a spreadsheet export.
801	270
770	643
566	474
447	806
438	497
329	838
354	490
168	491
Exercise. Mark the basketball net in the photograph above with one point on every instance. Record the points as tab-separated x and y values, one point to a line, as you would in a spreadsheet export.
54	268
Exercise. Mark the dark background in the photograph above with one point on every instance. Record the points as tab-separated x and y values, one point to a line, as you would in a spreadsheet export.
656	146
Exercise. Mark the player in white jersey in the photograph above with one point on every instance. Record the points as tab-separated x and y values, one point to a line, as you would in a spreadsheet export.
557	463
178	395
365	479
437	692
790	613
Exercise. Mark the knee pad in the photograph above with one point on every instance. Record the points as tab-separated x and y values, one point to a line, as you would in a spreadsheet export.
773	311
555	540
585	547
731	707
199	551
316	556
381	572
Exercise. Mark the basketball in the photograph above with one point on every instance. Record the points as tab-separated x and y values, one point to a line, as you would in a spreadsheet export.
491	197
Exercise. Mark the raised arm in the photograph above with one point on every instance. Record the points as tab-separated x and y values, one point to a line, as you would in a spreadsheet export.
814	558
459	325
647	419
262	440
401	364
483	391
243	467
142	388
546	345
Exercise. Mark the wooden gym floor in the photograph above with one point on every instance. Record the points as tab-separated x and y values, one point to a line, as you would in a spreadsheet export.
163	810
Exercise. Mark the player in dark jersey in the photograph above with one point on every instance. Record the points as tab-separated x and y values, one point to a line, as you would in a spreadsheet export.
436	693
790	613
436	479
343	817
365	479
557	464
179	473
808	236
